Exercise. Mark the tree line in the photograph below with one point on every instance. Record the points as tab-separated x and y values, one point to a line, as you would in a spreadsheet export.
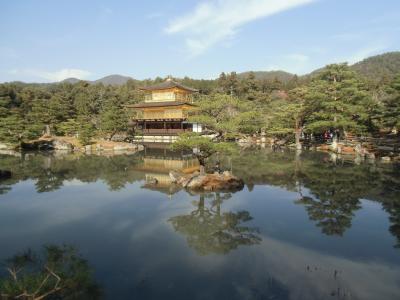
28	110
336	99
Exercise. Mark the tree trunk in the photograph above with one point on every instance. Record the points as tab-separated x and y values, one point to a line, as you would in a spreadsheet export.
297	168
334	145
297	135
202	165
202	170
112	135
201	205
47	130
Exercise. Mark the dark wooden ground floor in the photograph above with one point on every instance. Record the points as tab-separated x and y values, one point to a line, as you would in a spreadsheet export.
163	127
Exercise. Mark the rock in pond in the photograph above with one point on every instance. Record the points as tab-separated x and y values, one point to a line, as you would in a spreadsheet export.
175	176
4	146
208	182
125	147
62	145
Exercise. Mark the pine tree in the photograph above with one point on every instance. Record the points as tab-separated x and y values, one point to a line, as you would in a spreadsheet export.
13	127
292	83
250	86
113	118
276	84
391	110
232	84
222	82
339	101
222	113
86	131
68	127
205	147
278	118
296	111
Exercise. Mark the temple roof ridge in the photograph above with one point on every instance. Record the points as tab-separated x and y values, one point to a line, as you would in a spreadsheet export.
159	104
168	84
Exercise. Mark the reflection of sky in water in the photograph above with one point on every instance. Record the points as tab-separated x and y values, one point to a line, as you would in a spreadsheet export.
135	251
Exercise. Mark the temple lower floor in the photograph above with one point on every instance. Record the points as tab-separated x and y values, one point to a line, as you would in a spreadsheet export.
166	127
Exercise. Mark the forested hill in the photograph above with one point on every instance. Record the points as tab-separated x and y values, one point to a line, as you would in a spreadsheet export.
70	80
114	79
268	75
380	67
383	67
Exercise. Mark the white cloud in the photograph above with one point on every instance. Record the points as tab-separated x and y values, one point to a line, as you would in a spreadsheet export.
212	22
52	76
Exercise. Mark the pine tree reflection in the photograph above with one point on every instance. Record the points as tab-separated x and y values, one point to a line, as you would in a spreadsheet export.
209	230
335	194
332	215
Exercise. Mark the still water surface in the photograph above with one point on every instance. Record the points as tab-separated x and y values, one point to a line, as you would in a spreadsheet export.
308	226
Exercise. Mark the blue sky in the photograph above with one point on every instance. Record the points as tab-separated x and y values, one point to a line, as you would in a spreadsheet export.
45	41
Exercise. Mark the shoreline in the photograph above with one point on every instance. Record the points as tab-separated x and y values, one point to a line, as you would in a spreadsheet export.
70	145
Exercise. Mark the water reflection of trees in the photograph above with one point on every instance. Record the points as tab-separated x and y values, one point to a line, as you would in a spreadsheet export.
392	207
50	172
334	217
209	230
336	193
57	273
334	186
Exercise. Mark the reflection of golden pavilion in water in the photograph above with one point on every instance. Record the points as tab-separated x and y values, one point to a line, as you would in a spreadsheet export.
157	163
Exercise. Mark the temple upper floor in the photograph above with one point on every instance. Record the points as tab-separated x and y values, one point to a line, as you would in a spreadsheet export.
168	95
168	90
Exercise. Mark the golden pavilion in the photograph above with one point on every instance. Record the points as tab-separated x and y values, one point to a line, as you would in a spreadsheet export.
164	113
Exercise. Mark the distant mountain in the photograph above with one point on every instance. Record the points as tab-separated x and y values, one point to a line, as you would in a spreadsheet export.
71	80
269	75
374	68
379	67
114	79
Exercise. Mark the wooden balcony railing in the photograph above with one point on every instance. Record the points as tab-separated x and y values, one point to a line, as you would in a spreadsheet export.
165	131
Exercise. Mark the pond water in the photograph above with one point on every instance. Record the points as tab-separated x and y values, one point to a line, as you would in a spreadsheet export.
305	226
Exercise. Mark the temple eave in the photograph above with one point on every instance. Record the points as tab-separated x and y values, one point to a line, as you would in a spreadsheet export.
160	120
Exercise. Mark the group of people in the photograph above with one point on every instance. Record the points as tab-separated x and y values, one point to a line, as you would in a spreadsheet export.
330	134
